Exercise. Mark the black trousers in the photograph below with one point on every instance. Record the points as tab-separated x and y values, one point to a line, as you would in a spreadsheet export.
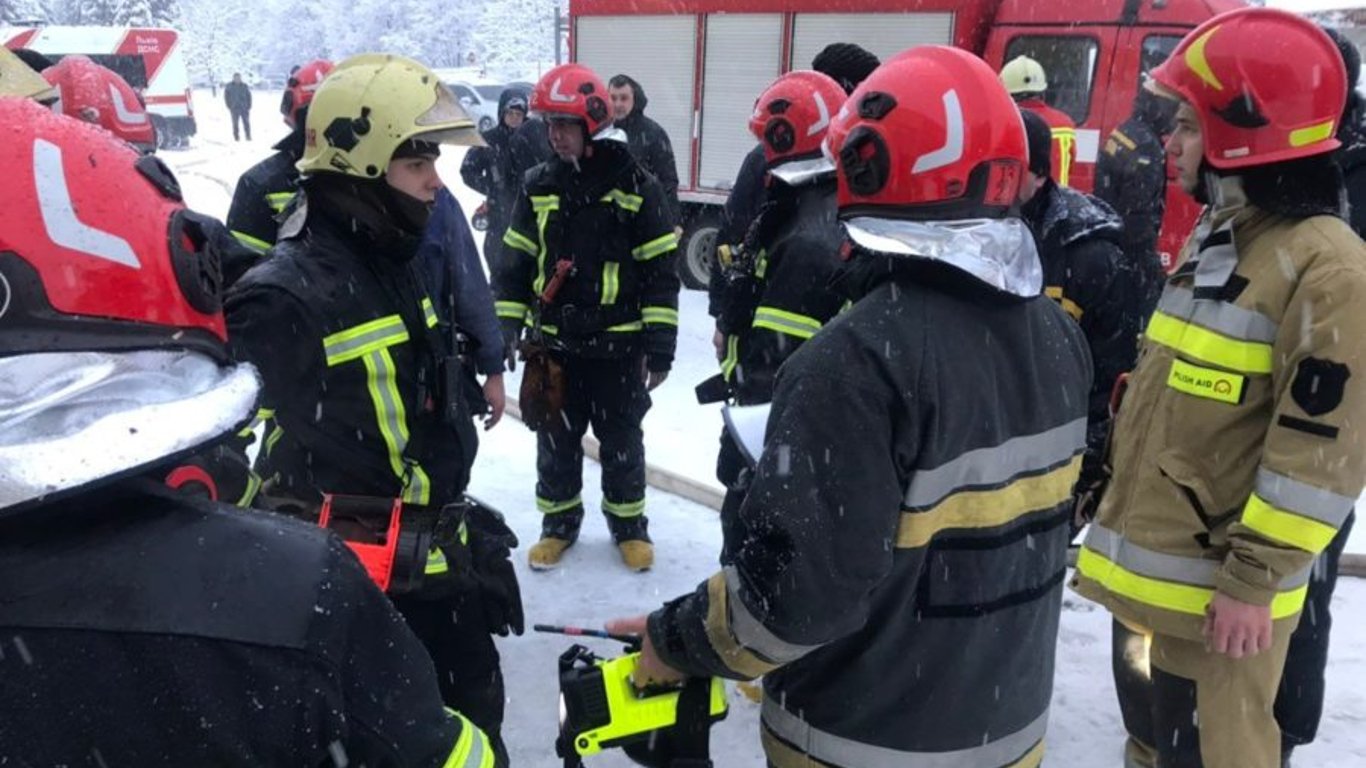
245	117
457	638
610	396
1299	703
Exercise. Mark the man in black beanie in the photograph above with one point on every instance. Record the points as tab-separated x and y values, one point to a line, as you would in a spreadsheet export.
848	64
1079	239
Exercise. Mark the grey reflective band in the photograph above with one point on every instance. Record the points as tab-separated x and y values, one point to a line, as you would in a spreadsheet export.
986	467
838	750
1303	499
1195	571
1218	316
752	634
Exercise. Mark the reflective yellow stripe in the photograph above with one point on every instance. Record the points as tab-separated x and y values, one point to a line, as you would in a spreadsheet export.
1065	137
544	203
1205	345
656	247
548	507
262	416
392	419
429	312
254	243
1055	293
512	310
253	487
659	315
542	220
611	282
1182	598
732	357
472	748
761	264
789	323
355	343
436	563
625	200
274	438
1312	135
625	509
514	239
989	509
1123	138
1286	527
634	325
278	201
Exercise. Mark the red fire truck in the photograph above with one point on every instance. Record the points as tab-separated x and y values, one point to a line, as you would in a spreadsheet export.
703	62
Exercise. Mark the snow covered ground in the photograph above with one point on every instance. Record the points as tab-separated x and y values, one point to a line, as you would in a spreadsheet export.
592	587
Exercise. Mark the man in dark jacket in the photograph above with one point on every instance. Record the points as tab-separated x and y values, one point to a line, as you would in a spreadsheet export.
775	293
1131	176
908	518
238	98
135	617
1079	241
649	142
372	398
590	272
529	147
489	170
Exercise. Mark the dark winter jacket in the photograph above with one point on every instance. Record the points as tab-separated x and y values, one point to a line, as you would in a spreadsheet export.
490	171
1352	158
780	300
742	206
263	193
529	147
651	147
237	96
150	628
897	566
605	216
352	357
456	279
1079	241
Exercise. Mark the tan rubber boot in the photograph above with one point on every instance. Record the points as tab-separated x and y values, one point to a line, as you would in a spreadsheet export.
638	555
546	553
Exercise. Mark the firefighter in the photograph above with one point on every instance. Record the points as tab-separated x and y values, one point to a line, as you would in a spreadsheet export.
908	518
488	170
95	94
1079	240
1131	175
594	284
1238	450
774	294
648	140
137	615
265	190
1027	82
1299	702
368	393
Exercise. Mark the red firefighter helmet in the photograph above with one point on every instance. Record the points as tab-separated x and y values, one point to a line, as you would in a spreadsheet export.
303	83
1267	86
573	91
793	114
97	251
95	94
931	134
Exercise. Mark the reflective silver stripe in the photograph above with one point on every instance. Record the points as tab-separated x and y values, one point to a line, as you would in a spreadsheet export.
751	633
1195	571
60	218
361	340
1218	316
1303	499
838	750
125	115
996	465
478	749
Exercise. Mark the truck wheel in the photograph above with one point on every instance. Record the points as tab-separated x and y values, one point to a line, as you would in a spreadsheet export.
698	250
162	131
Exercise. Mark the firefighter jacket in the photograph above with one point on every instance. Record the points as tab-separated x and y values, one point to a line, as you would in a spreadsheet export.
1352	158
908	520
263	193
604	226
346	339
1238	451
489	170
747	194
1064	137
780	296
1131	176
150	628
1079	246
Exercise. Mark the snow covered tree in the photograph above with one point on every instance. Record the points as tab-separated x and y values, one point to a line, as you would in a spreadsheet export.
13	11
133	13
219	37
517	35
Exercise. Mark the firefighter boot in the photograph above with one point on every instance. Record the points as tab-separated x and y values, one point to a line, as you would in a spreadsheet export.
559	531
632	536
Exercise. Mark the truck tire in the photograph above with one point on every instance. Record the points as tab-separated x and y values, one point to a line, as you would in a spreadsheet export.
162	131
697	252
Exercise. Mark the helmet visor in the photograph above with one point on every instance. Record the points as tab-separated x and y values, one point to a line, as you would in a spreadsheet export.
447	121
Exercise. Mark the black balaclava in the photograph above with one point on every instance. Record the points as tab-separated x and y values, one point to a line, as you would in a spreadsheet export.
846	63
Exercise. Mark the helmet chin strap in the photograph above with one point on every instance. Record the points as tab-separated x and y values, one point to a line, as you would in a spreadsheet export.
1220	191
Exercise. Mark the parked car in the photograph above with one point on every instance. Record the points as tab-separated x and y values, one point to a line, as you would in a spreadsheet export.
479	100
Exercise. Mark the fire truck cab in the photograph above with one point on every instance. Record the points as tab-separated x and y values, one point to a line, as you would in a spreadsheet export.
703	63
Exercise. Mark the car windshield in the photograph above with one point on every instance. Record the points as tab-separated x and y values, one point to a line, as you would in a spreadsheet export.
489	92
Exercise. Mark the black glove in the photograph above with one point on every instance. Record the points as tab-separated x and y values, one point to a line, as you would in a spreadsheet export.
490	545
1086	499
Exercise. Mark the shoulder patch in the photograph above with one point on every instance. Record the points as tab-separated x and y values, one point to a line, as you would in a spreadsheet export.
1123	138
1319	385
